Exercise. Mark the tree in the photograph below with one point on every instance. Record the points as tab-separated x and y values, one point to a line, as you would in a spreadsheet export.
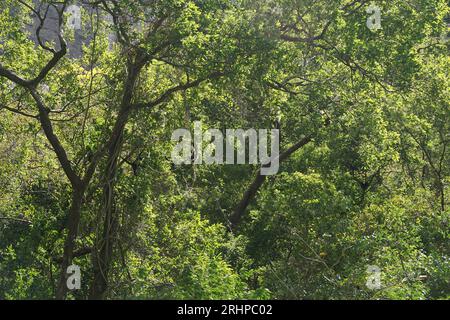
362	115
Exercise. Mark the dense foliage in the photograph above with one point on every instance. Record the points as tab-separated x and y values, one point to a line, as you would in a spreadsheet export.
86	175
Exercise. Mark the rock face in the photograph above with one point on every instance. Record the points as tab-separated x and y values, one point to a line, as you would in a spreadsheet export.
49	31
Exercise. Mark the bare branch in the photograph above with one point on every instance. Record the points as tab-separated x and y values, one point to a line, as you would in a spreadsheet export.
54	140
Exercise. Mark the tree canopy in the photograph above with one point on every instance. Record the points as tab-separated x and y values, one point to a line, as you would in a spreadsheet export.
88	108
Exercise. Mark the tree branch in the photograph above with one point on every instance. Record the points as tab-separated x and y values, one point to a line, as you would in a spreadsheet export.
182	87
54	141
258	181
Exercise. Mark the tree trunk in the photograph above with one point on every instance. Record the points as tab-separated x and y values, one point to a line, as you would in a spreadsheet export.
72	231
104	247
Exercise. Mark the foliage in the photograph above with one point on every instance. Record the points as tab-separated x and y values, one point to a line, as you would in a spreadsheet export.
370	186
